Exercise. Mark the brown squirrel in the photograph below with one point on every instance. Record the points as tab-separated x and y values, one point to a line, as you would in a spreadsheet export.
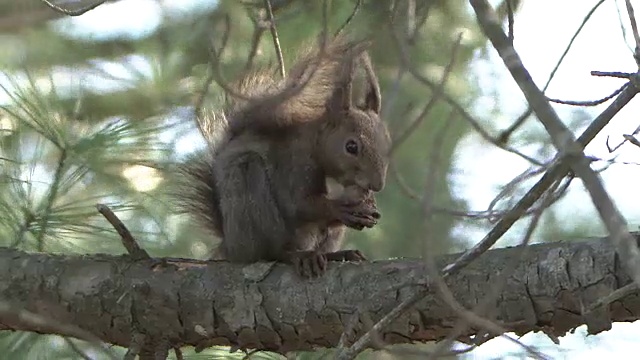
263	185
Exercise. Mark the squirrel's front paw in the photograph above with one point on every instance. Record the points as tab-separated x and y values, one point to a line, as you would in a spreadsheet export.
309	264
358	216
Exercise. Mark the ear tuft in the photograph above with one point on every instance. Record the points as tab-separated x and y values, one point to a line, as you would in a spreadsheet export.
372	100
341	98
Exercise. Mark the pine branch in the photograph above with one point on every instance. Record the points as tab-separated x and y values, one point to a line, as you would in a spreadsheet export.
187	302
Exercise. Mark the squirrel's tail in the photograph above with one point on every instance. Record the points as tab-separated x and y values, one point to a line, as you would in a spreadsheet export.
196	191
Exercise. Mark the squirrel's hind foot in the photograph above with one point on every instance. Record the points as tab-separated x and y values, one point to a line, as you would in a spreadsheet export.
310	264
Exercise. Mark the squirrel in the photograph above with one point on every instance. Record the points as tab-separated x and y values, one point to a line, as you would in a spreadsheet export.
294	163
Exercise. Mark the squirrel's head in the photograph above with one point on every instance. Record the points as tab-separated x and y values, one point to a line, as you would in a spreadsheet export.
355	143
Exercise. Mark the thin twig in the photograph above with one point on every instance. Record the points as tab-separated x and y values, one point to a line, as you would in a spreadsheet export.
510	187
510	18
344	337
216	60
128	240
627	137
73	12
623	30
634	29
614	296
404	187
350	18
590	103
274	36
249	354
615	74
258	30
76	349
201	95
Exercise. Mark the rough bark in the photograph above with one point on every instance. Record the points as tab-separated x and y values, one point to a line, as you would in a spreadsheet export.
265	306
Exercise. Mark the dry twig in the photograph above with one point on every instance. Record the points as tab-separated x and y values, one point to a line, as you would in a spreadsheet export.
128	240
350	18
274	36
510	19
614	296
590	103
634	29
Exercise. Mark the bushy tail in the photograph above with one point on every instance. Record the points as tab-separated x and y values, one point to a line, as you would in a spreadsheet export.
195	191
198	194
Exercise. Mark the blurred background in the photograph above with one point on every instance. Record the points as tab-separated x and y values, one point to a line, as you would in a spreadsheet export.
97	108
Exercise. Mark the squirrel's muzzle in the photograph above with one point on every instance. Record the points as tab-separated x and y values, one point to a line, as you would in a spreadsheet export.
374	184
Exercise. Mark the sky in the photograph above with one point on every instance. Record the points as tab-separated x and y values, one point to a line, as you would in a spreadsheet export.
542	31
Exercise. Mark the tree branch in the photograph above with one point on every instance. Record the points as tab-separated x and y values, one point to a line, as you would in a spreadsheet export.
265	306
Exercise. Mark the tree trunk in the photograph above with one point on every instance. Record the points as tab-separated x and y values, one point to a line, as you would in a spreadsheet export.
183	302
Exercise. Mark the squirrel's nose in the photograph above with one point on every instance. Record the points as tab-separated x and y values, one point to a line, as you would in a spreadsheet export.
376	185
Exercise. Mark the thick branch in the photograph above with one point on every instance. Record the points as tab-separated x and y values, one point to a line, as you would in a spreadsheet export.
182	302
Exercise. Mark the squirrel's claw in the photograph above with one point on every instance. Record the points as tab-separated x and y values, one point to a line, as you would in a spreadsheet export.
309	264
359	216
346	255
358	222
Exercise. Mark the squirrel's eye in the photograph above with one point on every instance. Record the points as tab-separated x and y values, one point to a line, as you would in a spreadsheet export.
351	147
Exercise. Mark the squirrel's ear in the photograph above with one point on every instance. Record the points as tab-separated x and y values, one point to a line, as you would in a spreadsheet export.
372	99
341	96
